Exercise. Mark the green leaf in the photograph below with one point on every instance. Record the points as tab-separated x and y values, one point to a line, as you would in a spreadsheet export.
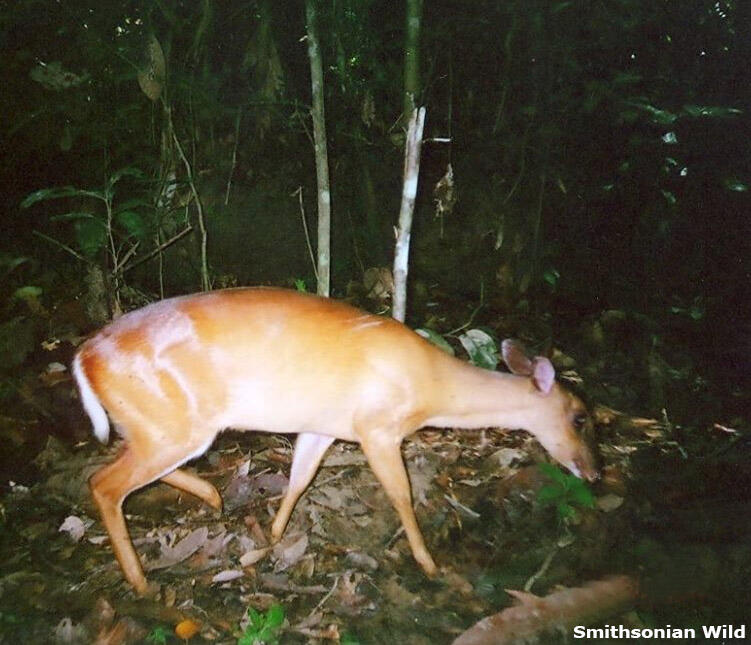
29	291
158	635
551	276
735	185
10	262
670	138
549	494
128	171
16	342
256	618
50	193
133	223
565	510
65	217
91	236
553	473
561	6
132	204
710	110
662	117
626	78
263	627
581	494
435	338
275	616
482	349
669	197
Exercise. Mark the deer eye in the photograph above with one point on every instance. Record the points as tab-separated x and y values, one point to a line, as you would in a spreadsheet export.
580	420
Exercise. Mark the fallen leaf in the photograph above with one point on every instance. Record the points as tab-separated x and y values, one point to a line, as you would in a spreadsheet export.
187	629
70	633
251	557
289	551
346	458
362	561
214	546
609	502
504	457
186	547
74	527
227	575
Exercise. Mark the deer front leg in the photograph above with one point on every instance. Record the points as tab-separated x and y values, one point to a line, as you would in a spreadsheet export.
385	458
309	451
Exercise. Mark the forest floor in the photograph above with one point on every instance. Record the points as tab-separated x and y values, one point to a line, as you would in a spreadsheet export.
671	511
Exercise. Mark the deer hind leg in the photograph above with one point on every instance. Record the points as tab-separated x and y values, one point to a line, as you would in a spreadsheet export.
385	459
113	483
309	451
194	485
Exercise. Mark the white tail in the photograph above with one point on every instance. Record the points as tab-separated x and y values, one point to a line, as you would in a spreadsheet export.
172	375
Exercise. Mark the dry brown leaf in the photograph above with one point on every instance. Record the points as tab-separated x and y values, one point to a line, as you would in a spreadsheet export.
74	526
289	551
609	502
187	629
171	555
249	558
227	575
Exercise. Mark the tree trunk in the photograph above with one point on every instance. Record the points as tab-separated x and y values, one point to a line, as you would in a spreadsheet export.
412	57
409	193
322	160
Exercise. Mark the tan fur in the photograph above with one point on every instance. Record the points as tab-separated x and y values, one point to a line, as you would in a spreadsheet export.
174	374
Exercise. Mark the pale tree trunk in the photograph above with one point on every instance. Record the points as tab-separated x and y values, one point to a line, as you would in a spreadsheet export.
409	193
322	160
412	56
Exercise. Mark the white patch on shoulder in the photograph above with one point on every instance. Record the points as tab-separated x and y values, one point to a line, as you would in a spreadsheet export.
366	321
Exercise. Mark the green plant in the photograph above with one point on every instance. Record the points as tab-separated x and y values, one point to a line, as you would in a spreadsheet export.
435	338
159	635
262	627
106	231
9	619
481	347
103	228
565	492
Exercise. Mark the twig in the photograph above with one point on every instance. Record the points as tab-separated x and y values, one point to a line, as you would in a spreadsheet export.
341	473
395	537
672	431
326	597
543	568
234	155
304	126
298	192
159	248
205	282
131	251
354	241
474	312
65	247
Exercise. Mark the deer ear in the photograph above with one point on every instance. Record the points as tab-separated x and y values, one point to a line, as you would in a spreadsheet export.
515	358
543	374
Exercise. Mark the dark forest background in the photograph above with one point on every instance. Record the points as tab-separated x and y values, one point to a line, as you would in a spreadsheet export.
583	185
599	150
